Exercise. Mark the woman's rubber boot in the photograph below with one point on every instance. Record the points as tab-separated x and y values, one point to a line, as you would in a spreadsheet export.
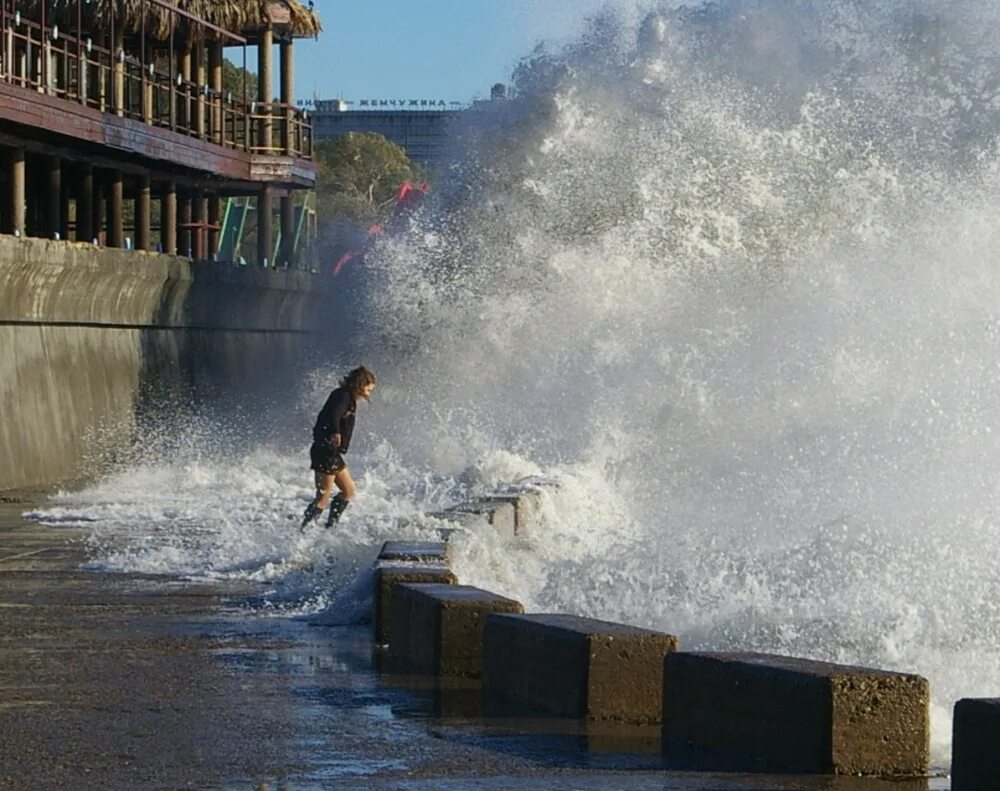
337	506
312	511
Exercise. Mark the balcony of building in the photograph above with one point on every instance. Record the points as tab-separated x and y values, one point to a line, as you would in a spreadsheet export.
135	88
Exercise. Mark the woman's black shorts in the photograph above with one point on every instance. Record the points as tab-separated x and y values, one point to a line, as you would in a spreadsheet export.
325	459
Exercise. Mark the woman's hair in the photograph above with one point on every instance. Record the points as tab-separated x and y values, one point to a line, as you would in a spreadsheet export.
357	379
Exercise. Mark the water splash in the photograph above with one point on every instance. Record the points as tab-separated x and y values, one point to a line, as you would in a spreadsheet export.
736	267
730	272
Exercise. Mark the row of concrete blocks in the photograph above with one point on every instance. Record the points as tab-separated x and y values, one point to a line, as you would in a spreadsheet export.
716	710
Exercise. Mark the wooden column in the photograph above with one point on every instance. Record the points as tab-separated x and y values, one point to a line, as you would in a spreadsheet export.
184	111
83	73
102	82
215	78
143	208
46	73
64	209
200	72
288	93
17	191
288	231
119	72
199	212
265	91
173	99
53	197
6	197
116	207
265	230
214	221
8	53
148	94
184	246
168	218
85	204
98	207
35	195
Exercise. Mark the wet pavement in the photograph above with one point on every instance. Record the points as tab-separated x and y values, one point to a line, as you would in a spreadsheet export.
116	681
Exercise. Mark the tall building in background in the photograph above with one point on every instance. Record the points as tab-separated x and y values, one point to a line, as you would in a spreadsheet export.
419	126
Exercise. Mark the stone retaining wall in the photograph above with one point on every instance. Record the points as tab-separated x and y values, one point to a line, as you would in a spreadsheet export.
93	338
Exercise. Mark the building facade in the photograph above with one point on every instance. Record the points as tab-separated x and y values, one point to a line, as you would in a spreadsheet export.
420	127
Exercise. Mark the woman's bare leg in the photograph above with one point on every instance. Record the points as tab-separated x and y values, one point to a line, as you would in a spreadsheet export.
345	483
324	488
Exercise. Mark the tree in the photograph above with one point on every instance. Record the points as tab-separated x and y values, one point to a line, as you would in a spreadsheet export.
359	174
233	81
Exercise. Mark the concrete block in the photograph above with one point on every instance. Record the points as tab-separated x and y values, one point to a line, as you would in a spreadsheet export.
386	578
975	757
438	629
764	712
527	508
569	666
498	513
418	551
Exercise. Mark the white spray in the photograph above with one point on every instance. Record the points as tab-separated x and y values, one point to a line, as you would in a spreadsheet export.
729	271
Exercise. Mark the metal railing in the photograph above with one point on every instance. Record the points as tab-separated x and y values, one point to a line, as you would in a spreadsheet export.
37	55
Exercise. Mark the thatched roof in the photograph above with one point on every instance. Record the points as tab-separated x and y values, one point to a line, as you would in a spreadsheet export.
245	17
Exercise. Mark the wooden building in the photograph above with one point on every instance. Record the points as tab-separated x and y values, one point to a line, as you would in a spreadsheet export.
116	109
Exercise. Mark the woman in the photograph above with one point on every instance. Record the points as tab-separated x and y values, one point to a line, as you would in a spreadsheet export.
331	439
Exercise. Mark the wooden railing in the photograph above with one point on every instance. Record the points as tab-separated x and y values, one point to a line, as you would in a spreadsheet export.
42	57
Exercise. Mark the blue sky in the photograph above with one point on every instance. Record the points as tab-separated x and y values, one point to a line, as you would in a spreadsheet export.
427	49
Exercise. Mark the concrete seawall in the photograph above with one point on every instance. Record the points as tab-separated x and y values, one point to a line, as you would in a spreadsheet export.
709	712
92	338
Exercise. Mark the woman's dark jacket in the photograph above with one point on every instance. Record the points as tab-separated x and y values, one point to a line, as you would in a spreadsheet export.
336	417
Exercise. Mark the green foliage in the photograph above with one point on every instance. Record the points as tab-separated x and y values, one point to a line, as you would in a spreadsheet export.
359	174
233	82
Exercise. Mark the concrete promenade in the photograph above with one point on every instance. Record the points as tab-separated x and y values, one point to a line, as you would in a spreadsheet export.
134	682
